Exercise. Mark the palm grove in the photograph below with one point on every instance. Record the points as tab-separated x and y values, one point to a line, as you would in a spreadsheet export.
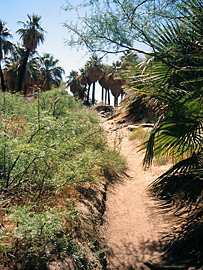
24	70
169	81
23	67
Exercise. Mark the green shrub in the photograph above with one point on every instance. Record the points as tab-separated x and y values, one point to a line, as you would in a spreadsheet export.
41	236
55	146
48	147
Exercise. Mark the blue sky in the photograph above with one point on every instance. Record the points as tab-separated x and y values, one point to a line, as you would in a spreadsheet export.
53	16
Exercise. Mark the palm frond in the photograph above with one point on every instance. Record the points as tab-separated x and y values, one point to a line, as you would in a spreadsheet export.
181	186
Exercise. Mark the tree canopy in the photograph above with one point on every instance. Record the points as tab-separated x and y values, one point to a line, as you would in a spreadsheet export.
116	26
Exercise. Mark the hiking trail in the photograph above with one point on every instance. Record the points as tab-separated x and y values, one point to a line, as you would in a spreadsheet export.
133	221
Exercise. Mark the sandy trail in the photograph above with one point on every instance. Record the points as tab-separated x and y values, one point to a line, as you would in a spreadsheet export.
133	222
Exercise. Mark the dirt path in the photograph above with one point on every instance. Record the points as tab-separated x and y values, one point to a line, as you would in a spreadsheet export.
133	221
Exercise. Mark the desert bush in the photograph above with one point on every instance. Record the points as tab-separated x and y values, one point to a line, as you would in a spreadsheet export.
49	146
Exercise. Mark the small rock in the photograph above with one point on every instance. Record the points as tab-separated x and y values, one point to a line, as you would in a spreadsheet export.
132	127
147	125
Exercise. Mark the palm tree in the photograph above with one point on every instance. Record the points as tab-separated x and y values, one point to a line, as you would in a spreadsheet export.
5	46
84	80
74	83
50	72
32	74
104	84
177	86
103	81
178	130
94	73
12	69
32	34
115	84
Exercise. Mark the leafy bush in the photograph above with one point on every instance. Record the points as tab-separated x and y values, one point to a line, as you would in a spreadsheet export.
49	146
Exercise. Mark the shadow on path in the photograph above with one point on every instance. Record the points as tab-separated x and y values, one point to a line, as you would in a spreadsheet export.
125	256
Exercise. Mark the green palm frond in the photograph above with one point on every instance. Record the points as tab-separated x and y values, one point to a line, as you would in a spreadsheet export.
179	131
181	186
149	154
147	76
190	165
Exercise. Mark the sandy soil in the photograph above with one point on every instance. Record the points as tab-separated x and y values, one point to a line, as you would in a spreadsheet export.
134	222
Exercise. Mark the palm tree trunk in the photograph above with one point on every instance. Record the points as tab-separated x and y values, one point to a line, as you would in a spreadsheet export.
106	96
88	95
83	92
2	79
93	93
102	97
109	97
22	70
115	101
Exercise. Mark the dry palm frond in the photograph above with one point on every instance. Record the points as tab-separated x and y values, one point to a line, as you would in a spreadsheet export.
94	74
76	88
115	85
103	82
84	80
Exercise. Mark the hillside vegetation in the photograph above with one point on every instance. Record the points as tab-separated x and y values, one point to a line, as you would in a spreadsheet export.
55	164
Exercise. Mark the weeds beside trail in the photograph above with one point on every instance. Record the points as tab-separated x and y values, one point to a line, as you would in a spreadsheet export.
54	166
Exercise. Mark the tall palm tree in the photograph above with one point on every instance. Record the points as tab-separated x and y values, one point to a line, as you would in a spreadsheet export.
5	46
115	83
12	66
103	81
32	74
105	86
32	34
94	73
84	80
50	72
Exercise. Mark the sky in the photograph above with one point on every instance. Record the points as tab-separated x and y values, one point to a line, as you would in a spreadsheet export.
53	16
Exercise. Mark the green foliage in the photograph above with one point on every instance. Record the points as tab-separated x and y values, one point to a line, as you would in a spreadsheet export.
139	133
115	26
49	147
52	145
172	78
41	235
